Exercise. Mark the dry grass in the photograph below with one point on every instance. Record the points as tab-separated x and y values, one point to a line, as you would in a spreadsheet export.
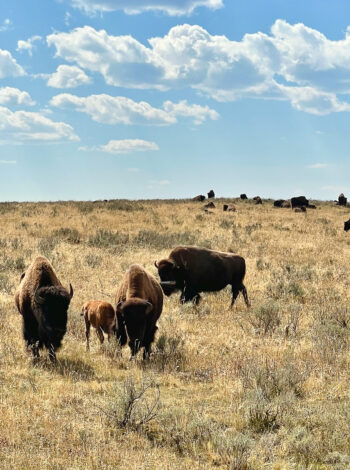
266	388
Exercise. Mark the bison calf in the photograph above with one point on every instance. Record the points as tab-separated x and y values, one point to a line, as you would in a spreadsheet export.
139	301
101	316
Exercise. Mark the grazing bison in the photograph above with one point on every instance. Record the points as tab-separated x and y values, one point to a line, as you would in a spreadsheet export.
192	270
211	194
139	301
229	208
279	203
101	316
199	198
347	225
43	303
210	205
243	196
257	200
342	200
299	201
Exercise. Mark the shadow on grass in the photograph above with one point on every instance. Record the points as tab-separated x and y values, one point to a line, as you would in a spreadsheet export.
75	369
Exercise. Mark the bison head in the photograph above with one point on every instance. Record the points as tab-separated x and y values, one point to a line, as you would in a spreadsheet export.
347	225
134	314
51	305
171	276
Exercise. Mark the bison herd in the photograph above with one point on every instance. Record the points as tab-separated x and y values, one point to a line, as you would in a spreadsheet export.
43	302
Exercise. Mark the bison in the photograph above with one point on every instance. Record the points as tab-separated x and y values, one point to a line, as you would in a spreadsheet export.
347	225
286	205
139	301
300	209
342	200
192	270
243	196
279	203
43	303
210	205
199	198
229	208
299	201
211	194
101	316
257	200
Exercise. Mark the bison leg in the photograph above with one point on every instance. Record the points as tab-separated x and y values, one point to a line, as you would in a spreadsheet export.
189	294
235	293
245	295
121	331
31	334
148	343
87	333
100	335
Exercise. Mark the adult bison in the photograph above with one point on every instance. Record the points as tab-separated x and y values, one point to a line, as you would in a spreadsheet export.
342	200
229	208
257	200
211	194
139	301
199	198
192	270
279	203
43	303
243	196
347	225
299	201
210	205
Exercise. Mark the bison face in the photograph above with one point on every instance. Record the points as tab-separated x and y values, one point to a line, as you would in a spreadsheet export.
135	314
171	276
51	305
347	225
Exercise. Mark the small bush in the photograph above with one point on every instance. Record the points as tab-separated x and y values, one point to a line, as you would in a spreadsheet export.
264	319
169	354
106	238
69	235
152	238
46	245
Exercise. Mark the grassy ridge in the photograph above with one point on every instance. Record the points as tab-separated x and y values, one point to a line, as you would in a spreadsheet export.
233	389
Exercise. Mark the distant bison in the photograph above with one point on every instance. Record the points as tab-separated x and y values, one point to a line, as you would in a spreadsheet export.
229	208
347	225
311	206
300	209
199	198
210	205
211	194
279	203
257	200
299	201
286	205
101	316
43	303
139	301
243	196
342	200
192	270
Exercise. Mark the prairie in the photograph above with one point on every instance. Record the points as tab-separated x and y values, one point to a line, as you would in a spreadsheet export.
240	389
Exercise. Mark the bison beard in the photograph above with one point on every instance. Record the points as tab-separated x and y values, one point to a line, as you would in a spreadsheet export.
193	270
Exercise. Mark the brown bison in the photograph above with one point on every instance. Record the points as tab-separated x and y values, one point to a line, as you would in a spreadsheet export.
211	194
229	208
342	200
199	198
257	200
101	316
210	205
43	303
299	201
192	270
243	196
139	301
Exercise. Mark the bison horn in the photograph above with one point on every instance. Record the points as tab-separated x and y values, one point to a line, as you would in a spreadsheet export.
71	292
156	264
119	306
37	298
149	307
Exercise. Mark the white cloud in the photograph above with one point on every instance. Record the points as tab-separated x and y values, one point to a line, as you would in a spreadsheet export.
8	162
9	95
318	165
121	110
9	66
31	126
124	146
68	76
6	25
171	7
27	45
292	62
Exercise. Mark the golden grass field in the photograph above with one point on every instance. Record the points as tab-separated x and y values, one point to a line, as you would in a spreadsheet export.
240	389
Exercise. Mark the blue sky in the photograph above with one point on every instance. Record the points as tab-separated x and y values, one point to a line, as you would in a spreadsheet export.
170	98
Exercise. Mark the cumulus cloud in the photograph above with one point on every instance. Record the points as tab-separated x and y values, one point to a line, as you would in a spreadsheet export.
292	62
68	76
318	165
9	66
27	45
121	110
9	95
171	7
124	146
31	126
